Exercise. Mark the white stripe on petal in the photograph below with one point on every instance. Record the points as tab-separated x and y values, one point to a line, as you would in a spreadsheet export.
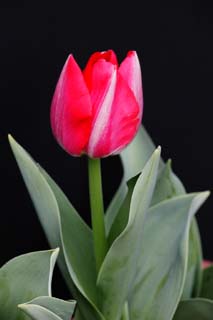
136	83
131	72
103	116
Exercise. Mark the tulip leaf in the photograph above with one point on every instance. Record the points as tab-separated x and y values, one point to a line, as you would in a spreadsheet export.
193	280
122	216
64	228
48	308
168	185
136	155
133	158
115	205
207	283
196	309
23	278
119	267
162	265
88	308
78	249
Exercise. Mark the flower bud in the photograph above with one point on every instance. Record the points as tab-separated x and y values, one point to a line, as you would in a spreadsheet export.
98	111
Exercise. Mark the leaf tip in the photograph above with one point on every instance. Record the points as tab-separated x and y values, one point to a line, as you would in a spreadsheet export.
12	142
21	306
206	194
10	138
54	254
157	151
169	162
56	250
199	199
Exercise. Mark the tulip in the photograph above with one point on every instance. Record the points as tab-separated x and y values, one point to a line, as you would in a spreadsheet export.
98	111
206	264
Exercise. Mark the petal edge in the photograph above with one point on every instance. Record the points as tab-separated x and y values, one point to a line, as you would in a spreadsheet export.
71	109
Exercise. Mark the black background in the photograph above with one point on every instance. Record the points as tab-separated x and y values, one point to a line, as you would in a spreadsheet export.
174	45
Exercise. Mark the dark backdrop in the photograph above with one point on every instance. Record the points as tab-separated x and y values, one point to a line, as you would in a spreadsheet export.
174	45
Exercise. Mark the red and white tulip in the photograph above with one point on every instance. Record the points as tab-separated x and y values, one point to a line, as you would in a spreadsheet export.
98	111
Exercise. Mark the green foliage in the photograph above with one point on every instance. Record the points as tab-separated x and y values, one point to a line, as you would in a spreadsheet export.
162	269
27	277
119	267
48	308
196	309
64	227
207	283
152	270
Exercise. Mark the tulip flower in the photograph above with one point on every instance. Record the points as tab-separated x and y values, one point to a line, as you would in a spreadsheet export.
206	264
98	111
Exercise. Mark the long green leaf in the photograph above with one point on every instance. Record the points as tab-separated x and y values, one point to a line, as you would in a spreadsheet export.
162	265
133	158
64	228
88	309
24	278
122	216
119	267
136	155
48	308
168	185
193	281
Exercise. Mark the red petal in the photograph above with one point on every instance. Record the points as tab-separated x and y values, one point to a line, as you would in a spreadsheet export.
71	109
122	124
102	97
108	56
103	84
101	78
206	264
131	72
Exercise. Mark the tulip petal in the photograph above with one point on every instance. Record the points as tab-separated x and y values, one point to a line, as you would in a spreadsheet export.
131	72
108	56
71	109
103	79
122	121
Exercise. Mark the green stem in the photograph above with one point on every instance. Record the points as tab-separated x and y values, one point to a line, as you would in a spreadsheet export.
97	210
